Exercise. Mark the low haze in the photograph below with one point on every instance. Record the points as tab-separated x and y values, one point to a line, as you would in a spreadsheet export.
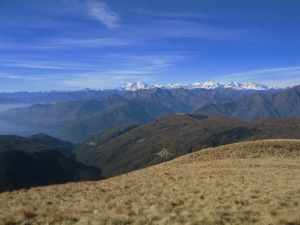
75	44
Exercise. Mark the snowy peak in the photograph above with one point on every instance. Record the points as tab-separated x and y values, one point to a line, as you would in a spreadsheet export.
255	86
234	85
212	85
133	86
248	86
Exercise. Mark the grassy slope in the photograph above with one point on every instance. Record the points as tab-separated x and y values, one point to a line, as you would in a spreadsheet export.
244	183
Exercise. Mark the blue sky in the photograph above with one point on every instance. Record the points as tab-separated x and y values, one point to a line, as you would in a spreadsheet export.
75	44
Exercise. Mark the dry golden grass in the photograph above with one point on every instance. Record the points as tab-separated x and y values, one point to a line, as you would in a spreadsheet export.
245	183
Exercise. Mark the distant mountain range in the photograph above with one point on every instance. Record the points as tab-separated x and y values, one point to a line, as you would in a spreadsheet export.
4	100
54	96
285	104
133	86
90	116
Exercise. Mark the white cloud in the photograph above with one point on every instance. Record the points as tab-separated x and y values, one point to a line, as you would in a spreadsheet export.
53	65
102	12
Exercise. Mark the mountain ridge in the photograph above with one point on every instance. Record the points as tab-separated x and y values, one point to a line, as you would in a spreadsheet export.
175	135
285	104
133	86
137	85
89	116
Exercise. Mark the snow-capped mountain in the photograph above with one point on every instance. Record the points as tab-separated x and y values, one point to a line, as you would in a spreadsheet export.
133	86
248	86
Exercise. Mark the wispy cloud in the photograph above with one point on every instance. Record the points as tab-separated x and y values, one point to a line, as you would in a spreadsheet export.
9	76
108	63
273	72
64	43
153	28
105	71
173	14
85	43
14	76
48	65
101	11
126	68
40	14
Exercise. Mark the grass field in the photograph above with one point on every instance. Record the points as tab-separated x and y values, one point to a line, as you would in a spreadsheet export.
244	183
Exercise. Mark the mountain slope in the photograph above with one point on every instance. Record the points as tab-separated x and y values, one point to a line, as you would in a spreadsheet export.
90	116
143	106
284	104
176	135
132	112
33	142
58	96
4	100
184	100
259	184
63	110
23	169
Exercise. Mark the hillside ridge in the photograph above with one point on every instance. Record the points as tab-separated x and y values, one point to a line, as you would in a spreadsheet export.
261	189
179	134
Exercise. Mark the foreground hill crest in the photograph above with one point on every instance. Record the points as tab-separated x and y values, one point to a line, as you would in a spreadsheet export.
259	184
